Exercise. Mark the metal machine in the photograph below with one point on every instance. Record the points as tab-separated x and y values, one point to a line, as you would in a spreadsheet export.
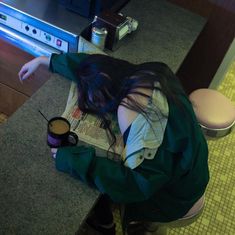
40	27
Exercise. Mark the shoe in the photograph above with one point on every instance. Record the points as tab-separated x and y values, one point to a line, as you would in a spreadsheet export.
135	229
102	229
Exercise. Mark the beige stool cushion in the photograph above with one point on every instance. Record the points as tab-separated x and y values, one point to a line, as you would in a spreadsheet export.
212	109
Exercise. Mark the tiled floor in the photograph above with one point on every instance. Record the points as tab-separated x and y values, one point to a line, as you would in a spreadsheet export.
218	217
3	118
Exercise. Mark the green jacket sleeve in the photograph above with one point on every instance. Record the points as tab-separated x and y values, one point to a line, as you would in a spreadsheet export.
122	184
66	64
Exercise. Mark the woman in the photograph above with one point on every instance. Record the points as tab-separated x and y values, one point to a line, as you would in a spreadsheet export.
164	169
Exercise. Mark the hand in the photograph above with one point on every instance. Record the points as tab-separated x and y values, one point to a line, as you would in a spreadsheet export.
53	152
29	68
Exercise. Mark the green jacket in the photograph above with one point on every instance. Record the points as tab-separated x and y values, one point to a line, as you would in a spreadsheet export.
162	188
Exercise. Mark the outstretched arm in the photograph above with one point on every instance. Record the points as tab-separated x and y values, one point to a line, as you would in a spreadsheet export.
64	64
29	68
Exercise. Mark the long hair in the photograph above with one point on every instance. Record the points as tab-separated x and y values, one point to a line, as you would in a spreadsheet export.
103	82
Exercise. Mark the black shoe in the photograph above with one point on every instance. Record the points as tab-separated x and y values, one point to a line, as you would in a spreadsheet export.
104	230
135	229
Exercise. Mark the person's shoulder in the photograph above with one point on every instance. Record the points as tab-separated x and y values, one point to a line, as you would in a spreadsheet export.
126	115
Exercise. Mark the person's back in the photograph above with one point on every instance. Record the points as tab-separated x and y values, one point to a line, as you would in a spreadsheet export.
181	159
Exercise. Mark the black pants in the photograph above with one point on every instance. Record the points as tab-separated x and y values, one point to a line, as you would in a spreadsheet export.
102	210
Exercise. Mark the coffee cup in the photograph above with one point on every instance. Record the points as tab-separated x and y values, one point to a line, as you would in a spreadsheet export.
59	134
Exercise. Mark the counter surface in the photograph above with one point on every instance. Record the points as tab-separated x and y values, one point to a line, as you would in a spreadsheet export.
34	197
165	33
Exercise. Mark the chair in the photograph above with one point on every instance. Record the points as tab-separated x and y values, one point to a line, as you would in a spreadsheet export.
156	228
161	228
214	111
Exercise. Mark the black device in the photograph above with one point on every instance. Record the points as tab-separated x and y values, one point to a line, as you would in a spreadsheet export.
90	8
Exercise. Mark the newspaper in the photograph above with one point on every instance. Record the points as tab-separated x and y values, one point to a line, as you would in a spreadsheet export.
90	128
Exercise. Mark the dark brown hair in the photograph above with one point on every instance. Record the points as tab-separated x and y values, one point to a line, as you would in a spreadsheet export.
103	82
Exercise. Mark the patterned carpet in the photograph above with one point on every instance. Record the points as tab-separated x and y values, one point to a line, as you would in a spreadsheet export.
218	217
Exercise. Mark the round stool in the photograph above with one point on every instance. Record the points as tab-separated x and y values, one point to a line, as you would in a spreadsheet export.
214	111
